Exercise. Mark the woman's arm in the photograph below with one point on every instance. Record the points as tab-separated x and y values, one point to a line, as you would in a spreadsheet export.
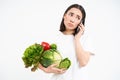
51	69
82	55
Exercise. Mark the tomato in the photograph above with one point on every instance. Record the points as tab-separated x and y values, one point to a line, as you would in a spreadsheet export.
45	45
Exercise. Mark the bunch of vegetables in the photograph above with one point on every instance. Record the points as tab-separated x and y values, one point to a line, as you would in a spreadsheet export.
44	54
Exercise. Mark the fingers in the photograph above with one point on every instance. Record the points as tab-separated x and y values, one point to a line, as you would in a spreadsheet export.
40	66
82	28
59	71
56	70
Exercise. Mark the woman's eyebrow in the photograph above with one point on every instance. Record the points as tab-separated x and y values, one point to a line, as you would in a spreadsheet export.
78	16
71	12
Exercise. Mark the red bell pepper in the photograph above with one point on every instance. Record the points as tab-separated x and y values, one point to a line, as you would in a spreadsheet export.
45	45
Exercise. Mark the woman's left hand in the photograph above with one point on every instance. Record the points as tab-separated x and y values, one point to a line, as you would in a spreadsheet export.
81	32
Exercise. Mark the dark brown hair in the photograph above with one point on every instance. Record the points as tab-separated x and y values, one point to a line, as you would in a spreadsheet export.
62	26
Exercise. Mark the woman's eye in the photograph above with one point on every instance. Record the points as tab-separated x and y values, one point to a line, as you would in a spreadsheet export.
71	14
78	17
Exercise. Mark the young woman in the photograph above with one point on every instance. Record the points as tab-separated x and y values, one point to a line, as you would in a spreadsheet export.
70	42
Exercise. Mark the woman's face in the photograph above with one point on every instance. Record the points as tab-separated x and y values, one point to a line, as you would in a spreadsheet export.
72	18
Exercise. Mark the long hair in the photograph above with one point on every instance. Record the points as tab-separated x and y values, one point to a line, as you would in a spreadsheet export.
62	25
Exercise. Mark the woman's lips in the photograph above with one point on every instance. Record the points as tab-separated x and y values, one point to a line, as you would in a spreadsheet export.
70	24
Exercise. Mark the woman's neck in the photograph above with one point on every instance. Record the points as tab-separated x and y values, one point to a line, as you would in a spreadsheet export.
68	32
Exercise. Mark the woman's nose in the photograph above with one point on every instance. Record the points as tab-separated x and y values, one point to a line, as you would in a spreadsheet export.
72	20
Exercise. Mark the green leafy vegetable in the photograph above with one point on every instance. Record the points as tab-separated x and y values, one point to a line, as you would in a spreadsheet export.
31	56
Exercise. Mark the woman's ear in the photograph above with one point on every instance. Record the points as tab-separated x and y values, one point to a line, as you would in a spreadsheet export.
64	16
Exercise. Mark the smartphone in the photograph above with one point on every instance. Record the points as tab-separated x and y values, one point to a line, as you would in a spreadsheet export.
78	29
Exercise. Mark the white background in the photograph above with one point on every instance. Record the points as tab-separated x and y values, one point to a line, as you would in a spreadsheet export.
23	22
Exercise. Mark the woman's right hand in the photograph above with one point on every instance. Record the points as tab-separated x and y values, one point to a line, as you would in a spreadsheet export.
52	69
